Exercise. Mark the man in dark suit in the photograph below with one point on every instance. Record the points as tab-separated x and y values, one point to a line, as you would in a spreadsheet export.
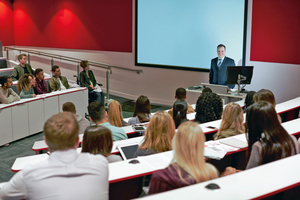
218	67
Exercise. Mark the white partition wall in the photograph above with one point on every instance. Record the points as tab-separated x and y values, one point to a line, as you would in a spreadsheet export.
36	116
6	125
80	101
20	121
50	106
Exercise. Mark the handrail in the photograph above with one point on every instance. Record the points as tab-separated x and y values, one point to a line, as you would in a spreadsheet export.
71	59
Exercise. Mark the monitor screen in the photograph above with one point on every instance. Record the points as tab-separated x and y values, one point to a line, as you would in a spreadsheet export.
234	71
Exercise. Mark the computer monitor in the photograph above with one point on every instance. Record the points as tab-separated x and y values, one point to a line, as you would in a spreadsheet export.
234	71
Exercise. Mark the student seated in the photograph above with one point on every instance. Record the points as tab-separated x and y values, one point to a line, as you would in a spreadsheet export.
25	86
22	68
82	122
87	79
232	122
142	111
188	165
179	109
209	107
58	82
40	83
266	95
248	100
180	95
99	116
7	95
65	174
158	135
115	116
98	140
267	140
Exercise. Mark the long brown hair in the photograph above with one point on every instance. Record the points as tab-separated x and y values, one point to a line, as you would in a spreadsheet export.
24	82
266	95
142	108
159	132
262	125
188	145
97	140
232	118
115	116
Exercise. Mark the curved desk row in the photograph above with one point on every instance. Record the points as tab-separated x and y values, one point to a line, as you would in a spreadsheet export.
27	116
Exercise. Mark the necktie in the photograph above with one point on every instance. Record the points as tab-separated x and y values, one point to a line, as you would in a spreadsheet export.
219	63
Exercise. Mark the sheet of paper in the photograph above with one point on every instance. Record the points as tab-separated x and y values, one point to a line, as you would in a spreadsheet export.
157	161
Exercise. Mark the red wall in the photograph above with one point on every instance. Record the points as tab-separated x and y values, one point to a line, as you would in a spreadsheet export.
74	24
6	23
275	33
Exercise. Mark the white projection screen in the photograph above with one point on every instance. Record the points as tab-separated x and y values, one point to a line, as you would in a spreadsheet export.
184	34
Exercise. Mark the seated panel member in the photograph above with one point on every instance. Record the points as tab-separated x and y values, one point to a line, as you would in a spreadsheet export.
40	84
25	86
66	174
98	115
7	95
22	68
218	67
87	79
58	82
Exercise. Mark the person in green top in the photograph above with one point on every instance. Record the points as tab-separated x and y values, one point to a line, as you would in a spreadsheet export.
22	68
25	86
87	79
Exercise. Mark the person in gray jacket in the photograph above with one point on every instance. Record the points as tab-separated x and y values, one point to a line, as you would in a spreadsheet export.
82	122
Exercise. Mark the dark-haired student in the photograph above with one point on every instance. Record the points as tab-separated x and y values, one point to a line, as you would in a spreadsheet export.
180	95
142	111
249	100
209	107
25	86
266	95
7	95
98	140
158	135
99	116
58	82
188	165
40	84
179	112
267	140
82	122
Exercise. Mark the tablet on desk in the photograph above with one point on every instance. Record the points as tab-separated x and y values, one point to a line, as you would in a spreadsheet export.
127	150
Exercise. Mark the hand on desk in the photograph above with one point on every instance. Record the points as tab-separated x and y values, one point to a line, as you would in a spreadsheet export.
230	170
